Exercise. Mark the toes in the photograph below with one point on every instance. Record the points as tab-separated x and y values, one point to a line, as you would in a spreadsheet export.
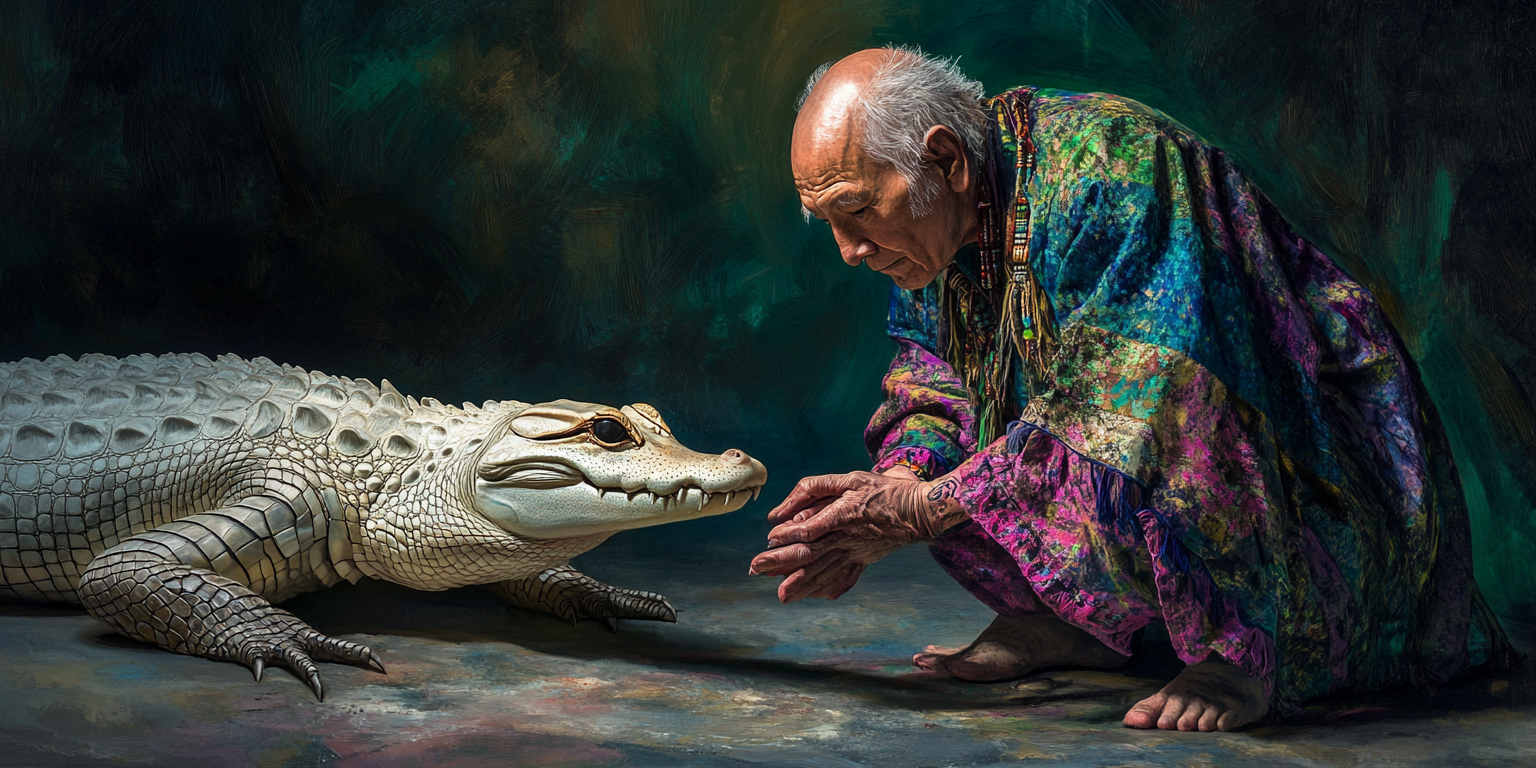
300	664
1173	709
665	611
1227	721
1208	720
326	648
654	607
629	604
1190	720
1145	713
280	639
926	661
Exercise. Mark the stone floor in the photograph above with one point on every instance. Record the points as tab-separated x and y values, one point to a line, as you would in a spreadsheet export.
739	680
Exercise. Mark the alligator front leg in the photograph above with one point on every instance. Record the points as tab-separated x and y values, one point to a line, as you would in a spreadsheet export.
567	593
163	587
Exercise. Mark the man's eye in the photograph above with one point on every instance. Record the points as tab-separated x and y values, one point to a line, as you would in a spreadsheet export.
609	432
860	212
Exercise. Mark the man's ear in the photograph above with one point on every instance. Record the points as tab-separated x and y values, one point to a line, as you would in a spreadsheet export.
942	147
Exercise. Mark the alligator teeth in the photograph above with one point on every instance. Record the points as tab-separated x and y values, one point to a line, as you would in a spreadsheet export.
683	494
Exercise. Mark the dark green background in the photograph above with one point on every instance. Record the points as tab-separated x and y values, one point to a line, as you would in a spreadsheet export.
535	200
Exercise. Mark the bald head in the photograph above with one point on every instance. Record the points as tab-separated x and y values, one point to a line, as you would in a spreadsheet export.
830	115
886	149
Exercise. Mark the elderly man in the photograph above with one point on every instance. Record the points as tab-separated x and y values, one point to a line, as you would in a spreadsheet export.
1125	391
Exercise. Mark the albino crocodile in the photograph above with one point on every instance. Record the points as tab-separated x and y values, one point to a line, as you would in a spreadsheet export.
177	498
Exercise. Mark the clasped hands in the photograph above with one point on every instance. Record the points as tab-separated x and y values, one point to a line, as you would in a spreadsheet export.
831	527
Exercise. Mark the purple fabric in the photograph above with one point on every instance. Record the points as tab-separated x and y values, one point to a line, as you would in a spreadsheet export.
1230	437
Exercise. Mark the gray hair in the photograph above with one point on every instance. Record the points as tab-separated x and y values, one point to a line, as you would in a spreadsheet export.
910	93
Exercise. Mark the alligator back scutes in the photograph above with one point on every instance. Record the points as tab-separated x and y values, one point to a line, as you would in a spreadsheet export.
98	404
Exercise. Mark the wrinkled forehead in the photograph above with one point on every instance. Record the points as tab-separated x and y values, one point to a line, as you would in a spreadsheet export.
815	159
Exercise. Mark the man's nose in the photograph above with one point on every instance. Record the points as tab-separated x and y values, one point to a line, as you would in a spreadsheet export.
855	249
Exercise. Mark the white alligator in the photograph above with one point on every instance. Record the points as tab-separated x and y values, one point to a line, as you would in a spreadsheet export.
178	498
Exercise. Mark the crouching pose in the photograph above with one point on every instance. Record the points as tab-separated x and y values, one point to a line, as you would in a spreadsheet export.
1125	391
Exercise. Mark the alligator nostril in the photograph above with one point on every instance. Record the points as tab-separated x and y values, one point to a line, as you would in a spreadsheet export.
734	458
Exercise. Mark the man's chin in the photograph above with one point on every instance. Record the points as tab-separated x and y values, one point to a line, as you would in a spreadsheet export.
906	274
913	281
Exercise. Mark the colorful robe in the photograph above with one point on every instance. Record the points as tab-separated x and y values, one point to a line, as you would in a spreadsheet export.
1229	438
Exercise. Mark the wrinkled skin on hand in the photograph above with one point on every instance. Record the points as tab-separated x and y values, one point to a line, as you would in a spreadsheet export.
831	527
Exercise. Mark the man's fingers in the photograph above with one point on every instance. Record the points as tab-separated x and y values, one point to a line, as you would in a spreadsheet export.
786	560
841	581
813	509
836	515
809	490
834	581
807	581
806	491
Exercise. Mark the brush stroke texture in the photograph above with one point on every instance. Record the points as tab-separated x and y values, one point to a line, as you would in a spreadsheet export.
593	197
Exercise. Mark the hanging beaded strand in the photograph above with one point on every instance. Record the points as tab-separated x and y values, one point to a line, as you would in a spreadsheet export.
986	331
968	307
1028	323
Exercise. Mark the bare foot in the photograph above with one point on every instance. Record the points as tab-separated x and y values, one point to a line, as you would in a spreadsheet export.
1209	696
1012	648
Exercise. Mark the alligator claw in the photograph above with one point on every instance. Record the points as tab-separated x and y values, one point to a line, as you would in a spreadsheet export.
574	597
272	637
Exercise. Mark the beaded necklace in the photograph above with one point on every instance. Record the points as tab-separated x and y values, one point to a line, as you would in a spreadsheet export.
986	331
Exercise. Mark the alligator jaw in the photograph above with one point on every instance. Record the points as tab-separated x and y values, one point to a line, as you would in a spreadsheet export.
570	469
583	509
681	496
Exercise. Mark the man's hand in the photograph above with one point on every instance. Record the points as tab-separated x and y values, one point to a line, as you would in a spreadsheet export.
901	473
832	526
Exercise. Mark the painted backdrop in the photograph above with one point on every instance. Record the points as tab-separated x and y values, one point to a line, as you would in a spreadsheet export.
546	199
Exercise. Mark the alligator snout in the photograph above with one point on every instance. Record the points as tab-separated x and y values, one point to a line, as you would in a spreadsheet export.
735	458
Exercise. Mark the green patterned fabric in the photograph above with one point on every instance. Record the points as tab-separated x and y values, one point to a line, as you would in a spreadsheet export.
1230	438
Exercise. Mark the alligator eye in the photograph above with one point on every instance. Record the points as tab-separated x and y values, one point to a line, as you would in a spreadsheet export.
609	432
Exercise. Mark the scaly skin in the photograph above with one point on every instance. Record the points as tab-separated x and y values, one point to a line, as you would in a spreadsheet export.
177	498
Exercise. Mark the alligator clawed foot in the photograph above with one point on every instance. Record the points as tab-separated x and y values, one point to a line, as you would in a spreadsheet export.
575	597
280	639
610	604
